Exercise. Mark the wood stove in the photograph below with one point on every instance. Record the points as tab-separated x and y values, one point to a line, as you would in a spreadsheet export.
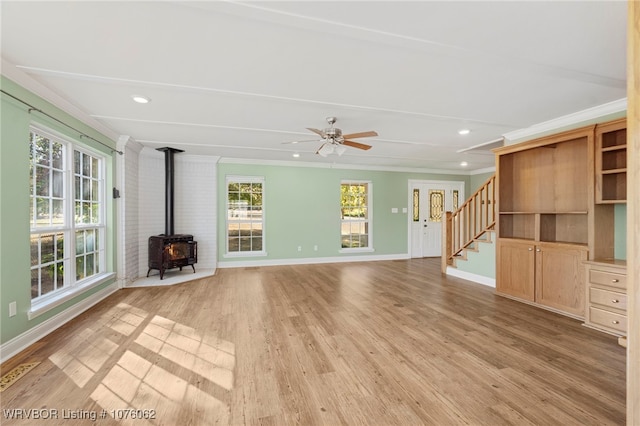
172	251
169	250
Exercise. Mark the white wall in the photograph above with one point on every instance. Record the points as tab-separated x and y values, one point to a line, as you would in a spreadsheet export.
194	203
128	254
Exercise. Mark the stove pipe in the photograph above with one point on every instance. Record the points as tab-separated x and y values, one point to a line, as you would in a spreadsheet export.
168	188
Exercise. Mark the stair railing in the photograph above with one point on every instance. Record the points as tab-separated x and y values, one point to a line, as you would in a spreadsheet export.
475	217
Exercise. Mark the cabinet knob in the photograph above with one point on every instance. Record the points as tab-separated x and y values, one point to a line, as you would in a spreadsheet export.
615	301
530	249
538	250
615	322
615	280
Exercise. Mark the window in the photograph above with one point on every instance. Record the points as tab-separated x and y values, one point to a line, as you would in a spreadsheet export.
67	219
245	216
436	205
355	207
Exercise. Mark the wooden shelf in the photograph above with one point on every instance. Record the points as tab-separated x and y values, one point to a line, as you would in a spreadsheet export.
614	171
611	162
614	148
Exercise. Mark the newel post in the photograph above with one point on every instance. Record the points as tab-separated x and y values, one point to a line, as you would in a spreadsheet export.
446	241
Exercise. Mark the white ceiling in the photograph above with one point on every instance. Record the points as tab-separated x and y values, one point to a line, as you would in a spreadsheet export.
237	79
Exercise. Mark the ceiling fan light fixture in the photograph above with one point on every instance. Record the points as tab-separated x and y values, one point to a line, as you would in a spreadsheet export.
340	149
326	149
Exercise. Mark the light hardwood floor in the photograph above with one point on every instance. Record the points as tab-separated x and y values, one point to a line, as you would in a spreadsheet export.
390	342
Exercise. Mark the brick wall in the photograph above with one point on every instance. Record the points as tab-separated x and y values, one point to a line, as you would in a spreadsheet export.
194	203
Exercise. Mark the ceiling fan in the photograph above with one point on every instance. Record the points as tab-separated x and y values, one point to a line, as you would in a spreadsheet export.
335	141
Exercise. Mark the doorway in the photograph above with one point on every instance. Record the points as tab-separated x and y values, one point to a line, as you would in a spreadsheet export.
428	201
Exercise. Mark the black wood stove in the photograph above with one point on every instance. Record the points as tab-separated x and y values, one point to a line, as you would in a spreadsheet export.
169	250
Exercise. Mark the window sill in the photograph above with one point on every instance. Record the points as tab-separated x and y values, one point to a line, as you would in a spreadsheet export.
41	307
356	250
245	254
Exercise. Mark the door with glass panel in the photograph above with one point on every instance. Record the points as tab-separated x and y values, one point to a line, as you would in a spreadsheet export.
429	202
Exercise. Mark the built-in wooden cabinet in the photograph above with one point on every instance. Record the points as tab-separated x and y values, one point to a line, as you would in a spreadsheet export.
545	199
611	162
547	274
556	198
606	307
560	277
516	274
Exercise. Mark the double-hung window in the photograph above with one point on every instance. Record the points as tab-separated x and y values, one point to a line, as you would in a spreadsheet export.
355	216
245	216
67	215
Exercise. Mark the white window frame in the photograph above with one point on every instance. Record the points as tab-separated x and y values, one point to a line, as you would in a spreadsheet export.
244	179
369	219
71	286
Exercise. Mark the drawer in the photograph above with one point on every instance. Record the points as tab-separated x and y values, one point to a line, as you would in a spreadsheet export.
608	319
608	298
607	278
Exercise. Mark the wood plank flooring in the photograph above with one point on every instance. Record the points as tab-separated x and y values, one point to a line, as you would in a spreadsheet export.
376	343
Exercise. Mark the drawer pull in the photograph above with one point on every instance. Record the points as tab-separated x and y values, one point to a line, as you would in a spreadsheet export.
615	301
615	322
615	280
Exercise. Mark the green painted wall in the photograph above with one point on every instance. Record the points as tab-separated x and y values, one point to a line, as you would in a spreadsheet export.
481	262
477	180
15	279
302	208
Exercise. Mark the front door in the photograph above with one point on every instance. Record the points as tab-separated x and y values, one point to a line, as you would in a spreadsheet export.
429	202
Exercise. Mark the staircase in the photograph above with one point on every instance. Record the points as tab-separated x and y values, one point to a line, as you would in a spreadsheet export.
470	225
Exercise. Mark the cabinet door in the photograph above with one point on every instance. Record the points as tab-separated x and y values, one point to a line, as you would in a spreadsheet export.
560	280
516	274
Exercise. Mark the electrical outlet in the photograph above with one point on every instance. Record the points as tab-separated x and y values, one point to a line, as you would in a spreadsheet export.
299	248
12	309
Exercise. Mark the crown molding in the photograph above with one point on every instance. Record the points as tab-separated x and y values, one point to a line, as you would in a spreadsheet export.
568	120
18	76
281	163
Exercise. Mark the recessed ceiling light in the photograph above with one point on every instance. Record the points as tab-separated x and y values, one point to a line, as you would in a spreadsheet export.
140	99
464	131
296	155
464	164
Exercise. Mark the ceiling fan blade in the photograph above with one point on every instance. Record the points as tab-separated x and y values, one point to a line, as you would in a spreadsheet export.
360	134
318	132
356	145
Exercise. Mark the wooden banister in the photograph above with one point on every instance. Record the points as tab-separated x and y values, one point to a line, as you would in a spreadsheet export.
475	217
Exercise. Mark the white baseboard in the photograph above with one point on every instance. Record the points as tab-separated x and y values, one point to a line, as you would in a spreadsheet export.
29	337
480	279
311	260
